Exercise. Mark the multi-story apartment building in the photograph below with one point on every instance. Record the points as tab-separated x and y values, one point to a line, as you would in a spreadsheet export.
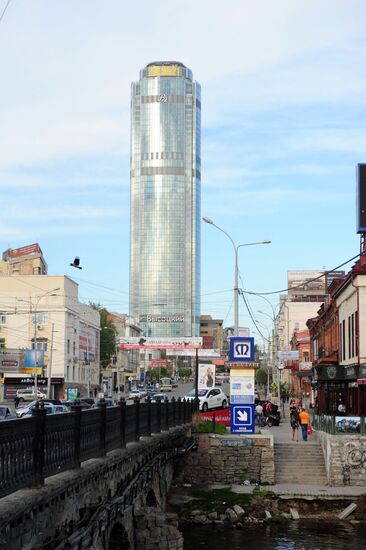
43	313
165	201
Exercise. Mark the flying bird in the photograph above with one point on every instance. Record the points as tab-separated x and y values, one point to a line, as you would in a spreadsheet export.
76	263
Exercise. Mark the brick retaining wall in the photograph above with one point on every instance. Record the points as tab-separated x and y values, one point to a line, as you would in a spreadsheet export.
344	449
230	459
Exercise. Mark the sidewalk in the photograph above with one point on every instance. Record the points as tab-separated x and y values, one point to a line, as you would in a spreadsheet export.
307	492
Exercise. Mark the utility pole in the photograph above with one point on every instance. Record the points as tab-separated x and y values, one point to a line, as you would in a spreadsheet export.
50	364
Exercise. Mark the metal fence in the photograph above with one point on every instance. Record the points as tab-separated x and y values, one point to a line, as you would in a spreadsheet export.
34	448
339	425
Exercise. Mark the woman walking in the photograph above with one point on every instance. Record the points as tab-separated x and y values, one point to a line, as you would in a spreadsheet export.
295	423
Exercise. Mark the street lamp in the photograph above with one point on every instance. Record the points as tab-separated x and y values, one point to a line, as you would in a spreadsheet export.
236	272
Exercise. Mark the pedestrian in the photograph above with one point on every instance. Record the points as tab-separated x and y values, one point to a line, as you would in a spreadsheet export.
267	410
295	422
259	415
304	421
16	401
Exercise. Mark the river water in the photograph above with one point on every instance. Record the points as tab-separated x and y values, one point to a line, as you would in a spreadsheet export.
302	535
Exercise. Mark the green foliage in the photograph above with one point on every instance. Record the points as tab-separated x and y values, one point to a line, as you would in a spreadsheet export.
207	427
108	334
184	372
217	500
261	377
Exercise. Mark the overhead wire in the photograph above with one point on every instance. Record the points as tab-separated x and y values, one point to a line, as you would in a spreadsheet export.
4	10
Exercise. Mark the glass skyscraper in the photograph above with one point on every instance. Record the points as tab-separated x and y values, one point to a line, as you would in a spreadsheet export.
165	200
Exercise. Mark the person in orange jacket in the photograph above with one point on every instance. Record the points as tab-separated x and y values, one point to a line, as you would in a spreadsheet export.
304	421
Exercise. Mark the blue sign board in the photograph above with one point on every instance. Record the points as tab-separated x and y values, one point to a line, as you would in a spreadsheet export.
241	348
243	399
242	419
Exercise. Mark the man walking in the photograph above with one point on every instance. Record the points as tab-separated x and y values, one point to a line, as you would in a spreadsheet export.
259	415
304	421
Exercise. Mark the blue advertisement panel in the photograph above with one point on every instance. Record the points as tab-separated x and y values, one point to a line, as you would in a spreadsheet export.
33	358
242	419
241	348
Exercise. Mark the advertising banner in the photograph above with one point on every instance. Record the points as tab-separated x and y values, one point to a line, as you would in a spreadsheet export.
206	376
33	358
159	343
288	355
241	385
11	360
221	416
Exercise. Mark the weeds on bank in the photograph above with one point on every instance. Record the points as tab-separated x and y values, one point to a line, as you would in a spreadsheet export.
217	500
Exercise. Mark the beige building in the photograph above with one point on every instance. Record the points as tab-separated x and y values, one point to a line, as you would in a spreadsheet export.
27	260
44	313
126	364
212	332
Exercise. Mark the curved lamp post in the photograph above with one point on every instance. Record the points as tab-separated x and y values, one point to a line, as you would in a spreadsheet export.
236	272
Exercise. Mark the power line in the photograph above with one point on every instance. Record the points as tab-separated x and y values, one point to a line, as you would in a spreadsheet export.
4	10
302	284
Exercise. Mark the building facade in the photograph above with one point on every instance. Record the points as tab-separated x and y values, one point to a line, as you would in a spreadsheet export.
43	313
165	201
27	260
338	345
212	332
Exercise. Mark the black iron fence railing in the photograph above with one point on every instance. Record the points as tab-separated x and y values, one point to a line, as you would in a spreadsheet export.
339	425
34	448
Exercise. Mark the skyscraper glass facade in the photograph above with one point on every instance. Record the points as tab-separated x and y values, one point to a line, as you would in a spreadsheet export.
165	201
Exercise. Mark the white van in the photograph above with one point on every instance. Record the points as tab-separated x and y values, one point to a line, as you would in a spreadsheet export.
28	394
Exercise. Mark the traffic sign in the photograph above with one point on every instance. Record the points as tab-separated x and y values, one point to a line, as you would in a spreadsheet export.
242	419
241	348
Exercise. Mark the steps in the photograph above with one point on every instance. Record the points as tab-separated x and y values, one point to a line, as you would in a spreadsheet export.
299	463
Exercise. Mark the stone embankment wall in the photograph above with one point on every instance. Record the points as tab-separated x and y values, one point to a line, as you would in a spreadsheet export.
344	450
230	459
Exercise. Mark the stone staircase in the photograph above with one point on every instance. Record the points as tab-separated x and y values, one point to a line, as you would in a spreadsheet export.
299	463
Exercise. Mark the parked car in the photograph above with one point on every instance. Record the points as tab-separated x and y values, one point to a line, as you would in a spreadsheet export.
25	409
158	397
213	398
135	393
50	408
6	413
82	403
29	394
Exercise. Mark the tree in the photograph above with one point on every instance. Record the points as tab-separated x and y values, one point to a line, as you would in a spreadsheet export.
108	333
261	377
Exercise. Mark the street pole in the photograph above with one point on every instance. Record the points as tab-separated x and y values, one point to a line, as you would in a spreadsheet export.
87	362
236	271
196	377
35	352
50	364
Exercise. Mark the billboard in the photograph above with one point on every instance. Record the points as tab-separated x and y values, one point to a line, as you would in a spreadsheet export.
242	331
24	250
206	376
302	282
291	355
33	358
11	360
87	344
159	343
241	385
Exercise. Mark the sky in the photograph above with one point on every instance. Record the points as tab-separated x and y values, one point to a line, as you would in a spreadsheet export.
283	127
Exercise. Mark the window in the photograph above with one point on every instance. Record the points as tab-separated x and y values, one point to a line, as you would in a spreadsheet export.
42	318
2	343
74	348
349	337
41	343
68	346
2	319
